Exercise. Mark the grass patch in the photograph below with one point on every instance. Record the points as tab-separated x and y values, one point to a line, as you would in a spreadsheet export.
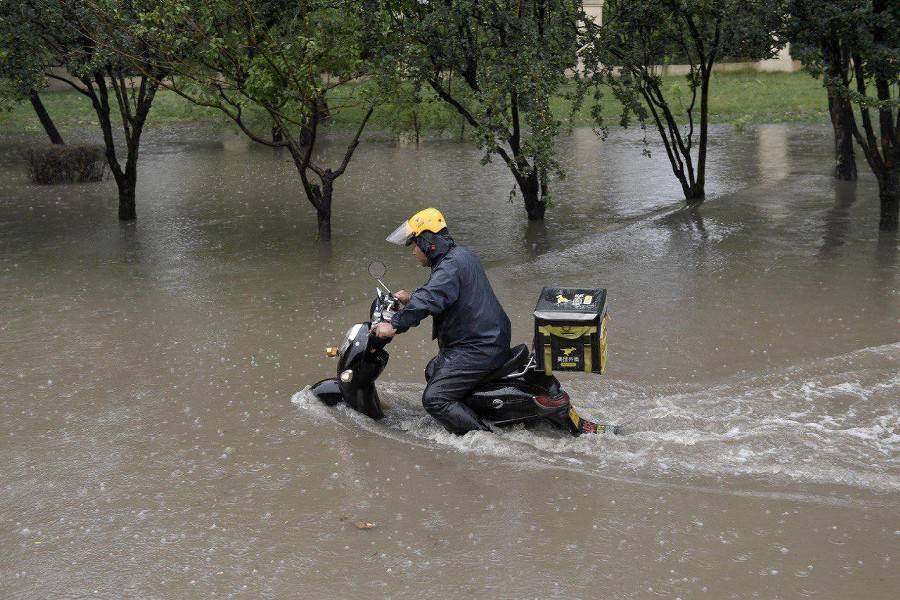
72	111
739	98
767	97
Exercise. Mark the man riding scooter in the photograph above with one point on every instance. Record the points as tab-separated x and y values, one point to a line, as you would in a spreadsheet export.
472	330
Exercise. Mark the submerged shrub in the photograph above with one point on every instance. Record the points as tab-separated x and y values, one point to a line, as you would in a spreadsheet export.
740	124
66	164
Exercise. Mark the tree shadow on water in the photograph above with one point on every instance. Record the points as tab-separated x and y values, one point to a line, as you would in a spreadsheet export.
886	249
325	254
687	222
537	239
838	222
837	219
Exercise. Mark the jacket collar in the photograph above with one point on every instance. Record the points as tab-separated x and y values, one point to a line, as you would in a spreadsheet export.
441	245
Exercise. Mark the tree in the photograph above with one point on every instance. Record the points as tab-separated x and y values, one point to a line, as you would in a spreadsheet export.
638	37
413	110
44	117
853	45
22	65
66	35
498	64
822	40
297	62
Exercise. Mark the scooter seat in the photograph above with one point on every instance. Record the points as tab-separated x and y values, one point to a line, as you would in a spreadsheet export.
518	358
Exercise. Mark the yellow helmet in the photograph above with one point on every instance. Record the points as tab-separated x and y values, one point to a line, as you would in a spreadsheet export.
429	219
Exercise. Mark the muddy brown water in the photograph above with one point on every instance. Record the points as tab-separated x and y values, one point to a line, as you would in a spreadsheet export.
156	440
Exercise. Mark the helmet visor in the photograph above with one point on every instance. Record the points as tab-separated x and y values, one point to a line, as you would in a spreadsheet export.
402	236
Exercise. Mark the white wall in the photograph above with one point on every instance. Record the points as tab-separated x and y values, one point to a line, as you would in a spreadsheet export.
782	62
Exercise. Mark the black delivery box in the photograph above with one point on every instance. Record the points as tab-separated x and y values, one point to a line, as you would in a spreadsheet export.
570	330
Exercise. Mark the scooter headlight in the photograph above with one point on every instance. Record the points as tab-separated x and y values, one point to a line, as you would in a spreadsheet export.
347	376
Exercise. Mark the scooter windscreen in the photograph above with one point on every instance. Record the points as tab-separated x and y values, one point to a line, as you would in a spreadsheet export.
351	336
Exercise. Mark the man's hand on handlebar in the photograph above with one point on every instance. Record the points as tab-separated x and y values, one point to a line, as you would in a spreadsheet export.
403	296
384	330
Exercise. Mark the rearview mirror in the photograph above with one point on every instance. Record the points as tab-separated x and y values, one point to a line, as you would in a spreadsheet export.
377	269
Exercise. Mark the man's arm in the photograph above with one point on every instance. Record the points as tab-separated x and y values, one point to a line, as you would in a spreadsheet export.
433	298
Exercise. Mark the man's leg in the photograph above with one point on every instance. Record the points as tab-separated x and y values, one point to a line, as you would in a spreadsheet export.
432	367
443	399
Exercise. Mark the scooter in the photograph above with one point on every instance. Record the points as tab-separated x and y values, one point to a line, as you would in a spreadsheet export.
513	393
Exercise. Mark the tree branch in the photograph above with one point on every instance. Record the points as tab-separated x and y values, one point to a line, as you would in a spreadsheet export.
435	85
870	148
674	161
515	138
118	86
71	83
353	144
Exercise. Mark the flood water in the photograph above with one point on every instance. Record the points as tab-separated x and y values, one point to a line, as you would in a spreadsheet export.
156	440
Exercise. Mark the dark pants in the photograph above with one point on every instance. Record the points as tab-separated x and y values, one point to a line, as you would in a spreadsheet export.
445	394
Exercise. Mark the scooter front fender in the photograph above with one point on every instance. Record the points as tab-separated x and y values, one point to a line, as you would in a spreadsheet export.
362	399
328	391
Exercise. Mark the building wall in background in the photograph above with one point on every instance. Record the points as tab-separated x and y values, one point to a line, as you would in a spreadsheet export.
783	62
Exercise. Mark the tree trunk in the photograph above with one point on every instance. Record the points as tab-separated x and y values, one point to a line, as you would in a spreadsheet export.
889	193
889	178
844	157
127	209
322	115
324	222
128	182
305	137
535	205
323	211
839	108
45	119
322	109
695	194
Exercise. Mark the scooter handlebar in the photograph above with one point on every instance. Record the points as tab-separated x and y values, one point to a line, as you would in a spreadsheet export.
383	309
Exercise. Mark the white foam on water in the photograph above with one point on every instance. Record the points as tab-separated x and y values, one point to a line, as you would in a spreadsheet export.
649	242
834	421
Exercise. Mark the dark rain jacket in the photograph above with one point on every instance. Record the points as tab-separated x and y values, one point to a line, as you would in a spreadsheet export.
472	330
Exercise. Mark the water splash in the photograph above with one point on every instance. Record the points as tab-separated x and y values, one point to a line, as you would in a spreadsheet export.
830	422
